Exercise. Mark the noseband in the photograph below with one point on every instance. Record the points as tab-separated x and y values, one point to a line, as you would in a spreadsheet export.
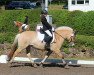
71	38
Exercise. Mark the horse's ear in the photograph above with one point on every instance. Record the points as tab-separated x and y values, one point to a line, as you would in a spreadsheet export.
17	23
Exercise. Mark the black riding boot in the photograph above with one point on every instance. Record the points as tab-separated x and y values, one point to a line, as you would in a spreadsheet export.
47	45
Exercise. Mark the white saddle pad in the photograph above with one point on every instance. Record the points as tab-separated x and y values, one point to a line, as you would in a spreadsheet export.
41	36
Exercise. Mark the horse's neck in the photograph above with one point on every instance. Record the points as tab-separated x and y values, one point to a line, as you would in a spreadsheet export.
61	34
59	38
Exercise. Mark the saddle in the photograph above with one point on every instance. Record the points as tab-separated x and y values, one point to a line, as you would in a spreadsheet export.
42	36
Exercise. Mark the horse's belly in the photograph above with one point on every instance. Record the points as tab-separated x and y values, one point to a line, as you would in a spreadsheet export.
38	44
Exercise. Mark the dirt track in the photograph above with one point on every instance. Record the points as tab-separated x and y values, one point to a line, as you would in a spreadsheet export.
26	69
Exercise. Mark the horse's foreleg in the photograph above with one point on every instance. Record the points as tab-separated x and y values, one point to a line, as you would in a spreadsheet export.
29	56
46	56
62	57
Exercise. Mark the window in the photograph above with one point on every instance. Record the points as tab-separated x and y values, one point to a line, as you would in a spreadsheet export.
73	2
86	1
80	2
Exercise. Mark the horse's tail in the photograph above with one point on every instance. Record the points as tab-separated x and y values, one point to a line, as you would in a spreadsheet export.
13	48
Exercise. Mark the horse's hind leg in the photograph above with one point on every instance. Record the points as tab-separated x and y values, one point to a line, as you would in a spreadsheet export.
15	54
13	49
62	57
29	56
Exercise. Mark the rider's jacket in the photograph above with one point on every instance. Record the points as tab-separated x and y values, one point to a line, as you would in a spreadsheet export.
46	25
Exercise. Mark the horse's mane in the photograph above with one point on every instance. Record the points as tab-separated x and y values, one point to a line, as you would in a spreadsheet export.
64	27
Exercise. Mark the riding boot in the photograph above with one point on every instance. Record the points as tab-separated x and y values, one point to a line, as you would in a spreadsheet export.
48	40
47	46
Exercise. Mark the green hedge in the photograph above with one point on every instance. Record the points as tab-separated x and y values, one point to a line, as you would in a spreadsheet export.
85	41
81	21
7	18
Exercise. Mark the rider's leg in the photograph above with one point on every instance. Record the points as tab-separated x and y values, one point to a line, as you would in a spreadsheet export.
49	38
49	33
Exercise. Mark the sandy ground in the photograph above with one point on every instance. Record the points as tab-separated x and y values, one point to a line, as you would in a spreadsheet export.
27	69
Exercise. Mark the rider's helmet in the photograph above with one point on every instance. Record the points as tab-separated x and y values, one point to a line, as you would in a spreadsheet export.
44	12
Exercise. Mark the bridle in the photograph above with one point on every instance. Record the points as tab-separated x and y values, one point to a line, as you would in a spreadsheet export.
71	40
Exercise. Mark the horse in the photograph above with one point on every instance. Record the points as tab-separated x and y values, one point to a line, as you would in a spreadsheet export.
22	26
29	39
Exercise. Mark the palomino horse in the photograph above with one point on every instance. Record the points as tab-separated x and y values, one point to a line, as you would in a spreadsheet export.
22	26
29	38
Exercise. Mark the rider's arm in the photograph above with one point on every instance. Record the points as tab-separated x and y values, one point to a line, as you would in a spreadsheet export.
44	22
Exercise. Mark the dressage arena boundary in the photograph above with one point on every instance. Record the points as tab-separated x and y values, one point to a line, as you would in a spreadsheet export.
25	59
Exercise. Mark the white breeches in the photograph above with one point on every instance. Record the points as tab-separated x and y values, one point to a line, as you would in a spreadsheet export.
48	32
25	26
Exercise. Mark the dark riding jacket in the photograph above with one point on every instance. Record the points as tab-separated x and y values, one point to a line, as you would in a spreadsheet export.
46	25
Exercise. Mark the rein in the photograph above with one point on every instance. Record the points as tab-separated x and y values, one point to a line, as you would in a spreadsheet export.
59	35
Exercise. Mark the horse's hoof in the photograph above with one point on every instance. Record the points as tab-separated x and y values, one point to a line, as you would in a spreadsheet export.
41	65
10	64
66	66
34	65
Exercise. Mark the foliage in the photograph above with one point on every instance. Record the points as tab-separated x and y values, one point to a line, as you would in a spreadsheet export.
86	41
8	17
81	21
7	37
7	28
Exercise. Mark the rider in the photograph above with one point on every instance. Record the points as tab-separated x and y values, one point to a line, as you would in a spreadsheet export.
25	25
47	28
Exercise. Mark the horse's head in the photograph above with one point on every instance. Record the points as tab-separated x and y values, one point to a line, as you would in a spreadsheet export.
67	33
71	38
18	24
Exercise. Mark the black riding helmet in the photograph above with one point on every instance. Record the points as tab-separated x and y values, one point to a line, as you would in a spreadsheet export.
44	12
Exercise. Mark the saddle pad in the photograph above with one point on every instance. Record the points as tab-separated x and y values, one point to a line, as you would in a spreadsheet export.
41	36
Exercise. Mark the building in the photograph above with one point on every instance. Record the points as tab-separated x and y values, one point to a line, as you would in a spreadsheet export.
83	5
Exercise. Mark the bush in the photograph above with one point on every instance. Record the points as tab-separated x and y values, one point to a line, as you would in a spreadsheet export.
8	17
7	37
86	41
81	21
60	17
